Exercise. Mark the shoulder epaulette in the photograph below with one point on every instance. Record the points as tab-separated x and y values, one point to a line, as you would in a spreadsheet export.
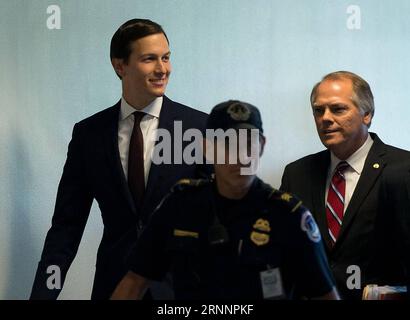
188	183
286	198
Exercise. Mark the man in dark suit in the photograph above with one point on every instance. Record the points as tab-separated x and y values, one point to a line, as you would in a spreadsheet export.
393	227
109	160
340	185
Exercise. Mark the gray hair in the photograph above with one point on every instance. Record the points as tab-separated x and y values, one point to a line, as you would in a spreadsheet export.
362	94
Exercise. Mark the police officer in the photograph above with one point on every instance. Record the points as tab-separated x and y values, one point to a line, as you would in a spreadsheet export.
232	236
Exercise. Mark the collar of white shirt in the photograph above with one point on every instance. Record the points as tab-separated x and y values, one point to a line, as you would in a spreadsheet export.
356	160
153	109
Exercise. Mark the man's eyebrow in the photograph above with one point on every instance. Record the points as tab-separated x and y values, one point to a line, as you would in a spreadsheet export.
151	54
316	104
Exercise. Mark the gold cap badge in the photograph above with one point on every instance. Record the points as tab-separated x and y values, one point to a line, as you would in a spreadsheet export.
239	112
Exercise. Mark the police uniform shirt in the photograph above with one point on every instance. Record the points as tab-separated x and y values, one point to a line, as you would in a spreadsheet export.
266	230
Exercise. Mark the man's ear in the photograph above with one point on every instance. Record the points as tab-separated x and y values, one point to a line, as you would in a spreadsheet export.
262	141
367	118
118	65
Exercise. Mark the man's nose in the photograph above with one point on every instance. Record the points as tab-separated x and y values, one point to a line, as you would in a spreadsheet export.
161	67
327	115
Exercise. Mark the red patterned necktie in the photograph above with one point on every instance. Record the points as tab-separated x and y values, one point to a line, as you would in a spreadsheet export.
136	175
336	200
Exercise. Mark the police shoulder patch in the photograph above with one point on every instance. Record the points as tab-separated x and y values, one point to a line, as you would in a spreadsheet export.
308	224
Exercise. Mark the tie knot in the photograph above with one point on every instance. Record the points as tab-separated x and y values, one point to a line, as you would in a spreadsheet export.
342	166
138	115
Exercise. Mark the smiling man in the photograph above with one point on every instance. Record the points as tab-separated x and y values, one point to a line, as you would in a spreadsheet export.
340	185
109	160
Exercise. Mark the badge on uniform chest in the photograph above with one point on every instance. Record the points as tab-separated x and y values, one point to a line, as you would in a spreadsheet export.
260	234
271	281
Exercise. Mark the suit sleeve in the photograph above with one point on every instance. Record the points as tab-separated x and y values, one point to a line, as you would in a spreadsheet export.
307	258
72	208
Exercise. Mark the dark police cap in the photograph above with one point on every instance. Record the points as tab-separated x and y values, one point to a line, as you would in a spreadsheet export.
234	114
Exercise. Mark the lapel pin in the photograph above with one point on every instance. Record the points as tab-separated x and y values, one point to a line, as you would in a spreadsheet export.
376	166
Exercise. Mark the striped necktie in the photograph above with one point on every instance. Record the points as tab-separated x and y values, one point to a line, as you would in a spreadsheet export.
336	201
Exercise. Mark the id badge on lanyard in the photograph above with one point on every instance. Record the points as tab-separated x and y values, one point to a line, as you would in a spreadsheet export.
272	286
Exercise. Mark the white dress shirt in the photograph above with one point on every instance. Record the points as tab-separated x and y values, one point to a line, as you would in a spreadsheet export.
352	174
149	124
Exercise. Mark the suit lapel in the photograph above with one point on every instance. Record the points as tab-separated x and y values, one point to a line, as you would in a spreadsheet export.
110	138
373	167
319	170
166	121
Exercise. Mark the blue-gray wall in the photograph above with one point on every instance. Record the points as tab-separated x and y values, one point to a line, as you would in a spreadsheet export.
267	52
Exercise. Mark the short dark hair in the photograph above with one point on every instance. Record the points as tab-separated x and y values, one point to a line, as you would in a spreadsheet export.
362	94
130	31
